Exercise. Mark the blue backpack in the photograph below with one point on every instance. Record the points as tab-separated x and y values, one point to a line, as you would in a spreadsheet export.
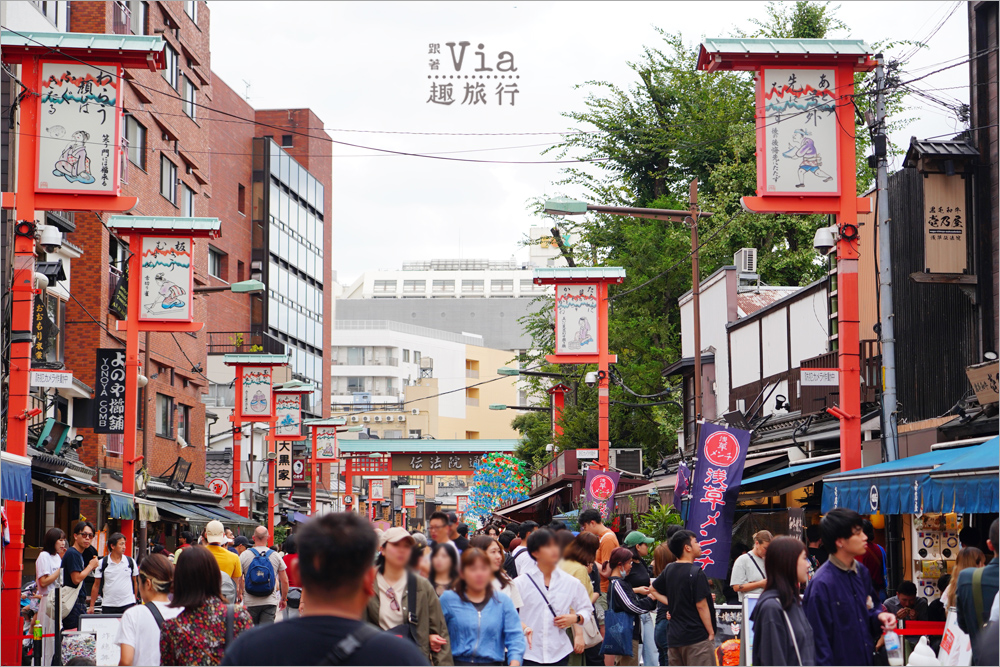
260	576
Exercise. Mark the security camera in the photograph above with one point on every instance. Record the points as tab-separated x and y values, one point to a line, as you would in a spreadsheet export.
50	238
591	379
825	239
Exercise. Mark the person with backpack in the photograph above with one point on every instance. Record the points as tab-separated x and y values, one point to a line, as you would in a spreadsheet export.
336	552
519	556
230	567
265	579
139	631
115	579
975	591
202	632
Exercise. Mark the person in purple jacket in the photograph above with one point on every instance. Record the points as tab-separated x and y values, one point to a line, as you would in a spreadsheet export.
840	602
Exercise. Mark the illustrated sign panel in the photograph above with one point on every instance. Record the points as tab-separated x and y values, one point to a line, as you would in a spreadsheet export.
376	490
715	486
288	408
166	279
945	248
298	471
600	489
256	384
429	463
78	137
109	392
219	487
326	443
410	498
797	132
283	465
576	319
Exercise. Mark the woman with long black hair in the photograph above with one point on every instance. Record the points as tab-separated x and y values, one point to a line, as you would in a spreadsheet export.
781	632
444	567
622	628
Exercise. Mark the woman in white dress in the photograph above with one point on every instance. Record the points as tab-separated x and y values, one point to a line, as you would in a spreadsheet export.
47	568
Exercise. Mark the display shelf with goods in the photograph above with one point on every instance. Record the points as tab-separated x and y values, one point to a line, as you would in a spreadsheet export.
935	548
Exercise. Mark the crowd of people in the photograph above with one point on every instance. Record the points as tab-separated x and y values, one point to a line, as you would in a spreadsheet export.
339	591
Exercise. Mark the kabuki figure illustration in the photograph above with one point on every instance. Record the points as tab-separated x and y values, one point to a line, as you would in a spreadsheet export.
73	164
168	294
583	336
802	146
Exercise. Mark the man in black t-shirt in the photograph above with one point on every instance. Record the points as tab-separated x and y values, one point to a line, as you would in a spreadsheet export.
691	633
77	567
336	552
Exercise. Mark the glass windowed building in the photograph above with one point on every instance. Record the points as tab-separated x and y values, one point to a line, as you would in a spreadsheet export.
288	254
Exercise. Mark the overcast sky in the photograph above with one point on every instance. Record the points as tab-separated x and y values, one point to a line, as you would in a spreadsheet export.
365	66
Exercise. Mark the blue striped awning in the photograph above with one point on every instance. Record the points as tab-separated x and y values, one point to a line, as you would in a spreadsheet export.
15	478
122	505
968	483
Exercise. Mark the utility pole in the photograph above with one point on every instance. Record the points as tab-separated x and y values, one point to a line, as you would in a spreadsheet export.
143	537
886	316
695	301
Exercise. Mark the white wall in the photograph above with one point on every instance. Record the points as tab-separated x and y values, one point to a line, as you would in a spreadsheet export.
810	327
22	15
714	306
775	341
745	348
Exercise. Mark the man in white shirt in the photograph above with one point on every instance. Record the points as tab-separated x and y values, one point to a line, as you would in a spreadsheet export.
262	605
749	574
117	572
520	555
553	601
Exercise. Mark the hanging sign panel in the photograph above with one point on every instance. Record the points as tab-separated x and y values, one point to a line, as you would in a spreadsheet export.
576	319
283	465
256	385
78	137
166	279
945	249
288	409
326	443
109	391
797	132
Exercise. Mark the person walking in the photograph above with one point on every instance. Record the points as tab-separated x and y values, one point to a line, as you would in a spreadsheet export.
591	522
623	634
115	579
502	583
335	564
265	579
874	560
444	567
201	633
967	557
406	605
638	577
462	539
47	567
483	625
975	591
578	560
186	539
553	602
817	554
519	556
781	632
749	572
231	579
662	557
139	630
294	583
840	600
440	529
75	572
683	587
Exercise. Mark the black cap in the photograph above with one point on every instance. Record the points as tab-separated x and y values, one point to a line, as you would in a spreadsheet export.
452	517
242	541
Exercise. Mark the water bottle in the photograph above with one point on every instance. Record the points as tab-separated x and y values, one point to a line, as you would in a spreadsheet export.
36	630
894	649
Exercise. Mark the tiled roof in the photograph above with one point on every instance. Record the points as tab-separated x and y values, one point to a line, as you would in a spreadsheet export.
751	302
218	465
943	149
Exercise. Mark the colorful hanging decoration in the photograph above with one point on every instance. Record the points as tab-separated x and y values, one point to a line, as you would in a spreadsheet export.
499	479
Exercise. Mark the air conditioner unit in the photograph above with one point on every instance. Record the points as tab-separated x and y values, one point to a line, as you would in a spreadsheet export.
378	419
746	260
366	419
354	419
628	460
389	418
401	418
414	412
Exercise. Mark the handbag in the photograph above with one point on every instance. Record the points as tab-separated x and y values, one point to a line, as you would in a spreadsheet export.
67	598
591	632
618	628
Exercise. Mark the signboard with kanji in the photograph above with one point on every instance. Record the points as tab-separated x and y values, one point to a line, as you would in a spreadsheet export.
599	488
945	225
819	377
376	490
109	391
435	464
410	498
298	471
326	443
283	465
461	504
79	135
166	279
576	319
797	131
288	408
256	385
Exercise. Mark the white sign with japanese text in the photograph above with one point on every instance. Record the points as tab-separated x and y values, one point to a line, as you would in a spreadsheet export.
797	111
819	377
576	319
326	443
166	279
256	385
56	379
289	415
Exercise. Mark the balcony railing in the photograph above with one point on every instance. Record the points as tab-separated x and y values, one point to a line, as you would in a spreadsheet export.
471	373
121	23
243	342
114	275
473	402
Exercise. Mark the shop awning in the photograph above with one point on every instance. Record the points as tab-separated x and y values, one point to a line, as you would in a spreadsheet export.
789	478
122	505
147	510
297	517
185	511
530	502
226	516
15	477
894	487
968	483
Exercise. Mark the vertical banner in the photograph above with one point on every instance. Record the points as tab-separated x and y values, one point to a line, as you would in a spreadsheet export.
283	465
288	410
797	116
39	326
682	486
576	319
600	489
78	137
109	392
945	249
166	279
796	516
326	443
256	383
716	484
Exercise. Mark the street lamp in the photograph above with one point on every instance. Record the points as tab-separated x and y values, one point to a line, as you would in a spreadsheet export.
244	287
502	406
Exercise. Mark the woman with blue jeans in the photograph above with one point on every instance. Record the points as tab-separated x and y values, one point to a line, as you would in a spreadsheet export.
638	577
483	626
662	556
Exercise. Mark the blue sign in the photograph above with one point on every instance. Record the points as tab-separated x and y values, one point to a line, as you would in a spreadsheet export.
714	487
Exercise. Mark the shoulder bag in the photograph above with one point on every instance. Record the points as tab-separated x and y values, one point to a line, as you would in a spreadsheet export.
347	646
618	625
404	631
791	633
67	598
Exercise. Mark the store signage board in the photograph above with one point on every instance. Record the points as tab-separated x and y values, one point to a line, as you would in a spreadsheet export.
945	224
576	319
166	279
109	392
78	139
283	465
288	408
256	385
326	443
